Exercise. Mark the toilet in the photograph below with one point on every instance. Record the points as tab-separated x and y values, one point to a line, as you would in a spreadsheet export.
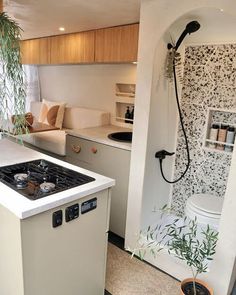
207	208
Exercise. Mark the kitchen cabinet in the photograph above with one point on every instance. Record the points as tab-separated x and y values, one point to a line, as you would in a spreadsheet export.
72	48
56	244
117	44
109	161
110	45
35	51
43	260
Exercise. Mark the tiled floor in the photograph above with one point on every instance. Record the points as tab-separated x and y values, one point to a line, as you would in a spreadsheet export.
126	276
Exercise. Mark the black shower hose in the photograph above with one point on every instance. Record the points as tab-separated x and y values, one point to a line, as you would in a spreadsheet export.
184	132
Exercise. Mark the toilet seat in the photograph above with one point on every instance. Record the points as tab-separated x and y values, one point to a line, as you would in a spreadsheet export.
207	208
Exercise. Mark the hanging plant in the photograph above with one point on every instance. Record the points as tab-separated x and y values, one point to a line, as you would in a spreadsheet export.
173	58
12	88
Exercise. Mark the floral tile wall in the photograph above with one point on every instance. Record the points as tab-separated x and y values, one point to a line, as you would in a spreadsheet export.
209	81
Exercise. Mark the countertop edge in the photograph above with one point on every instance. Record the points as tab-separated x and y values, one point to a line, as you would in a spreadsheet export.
81	133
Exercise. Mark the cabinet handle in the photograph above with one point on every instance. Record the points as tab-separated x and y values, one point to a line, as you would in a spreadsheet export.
94	150
76	148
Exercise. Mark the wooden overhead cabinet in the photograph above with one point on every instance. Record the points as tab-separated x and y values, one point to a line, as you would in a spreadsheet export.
35	51
109	45
117	44
72	48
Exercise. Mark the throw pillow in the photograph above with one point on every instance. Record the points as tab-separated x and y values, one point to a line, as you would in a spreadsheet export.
52	113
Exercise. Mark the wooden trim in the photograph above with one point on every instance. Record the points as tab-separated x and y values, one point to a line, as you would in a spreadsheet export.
1	6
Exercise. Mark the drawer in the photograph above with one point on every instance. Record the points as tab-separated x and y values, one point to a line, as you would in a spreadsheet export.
81	150
109	161
96	155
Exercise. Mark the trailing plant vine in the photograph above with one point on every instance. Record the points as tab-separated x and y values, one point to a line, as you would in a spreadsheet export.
12	87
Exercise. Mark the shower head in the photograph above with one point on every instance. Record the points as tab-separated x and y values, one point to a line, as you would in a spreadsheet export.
191	27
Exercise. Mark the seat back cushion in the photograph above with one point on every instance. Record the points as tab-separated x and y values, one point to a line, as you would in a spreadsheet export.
78	118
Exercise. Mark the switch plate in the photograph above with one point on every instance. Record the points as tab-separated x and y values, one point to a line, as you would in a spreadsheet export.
88	205
57	218
72	212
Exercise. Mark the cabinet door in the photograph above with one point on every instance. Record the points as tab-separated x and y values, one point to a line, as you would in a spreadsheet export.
109	161
35	51
72	48
117	44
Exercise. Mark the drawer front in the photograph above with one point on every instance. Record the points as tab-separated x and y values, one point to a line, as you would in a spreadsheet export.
81	150
109	161
96	154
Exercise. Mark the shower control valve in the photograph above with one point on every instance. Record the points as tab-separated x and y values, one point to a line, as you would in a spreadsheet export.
162	154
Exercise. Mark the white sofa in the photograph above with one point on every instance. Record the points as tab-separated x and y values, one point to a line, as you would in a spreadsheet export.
75	118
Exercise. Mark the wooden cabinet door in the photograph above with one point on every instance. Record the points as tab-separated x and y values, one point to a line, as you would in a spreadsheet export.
72	48
35	51
117	44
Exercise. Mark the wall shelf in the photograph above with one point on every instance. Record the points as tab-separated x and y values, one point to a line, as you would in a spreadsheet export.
219	117
125	97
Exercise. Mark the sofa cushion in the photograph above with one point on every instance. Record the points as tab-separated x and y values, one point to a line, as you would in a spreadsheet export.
52	141
52	113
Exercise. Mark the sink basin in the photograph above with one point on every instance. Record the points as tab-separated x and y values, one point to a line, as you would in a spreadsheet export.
121	136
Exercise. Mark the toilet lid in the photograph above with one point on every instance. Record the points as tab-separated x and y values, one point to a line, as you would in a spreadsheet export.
207	203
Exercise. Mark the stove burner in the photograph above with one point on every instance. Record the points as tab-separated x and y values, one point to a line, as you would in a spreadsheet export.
46	187
21	177
21	180
40	178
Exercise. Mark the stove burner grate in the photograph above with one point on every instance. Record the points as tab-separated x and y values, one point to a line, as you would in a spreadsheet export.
33	175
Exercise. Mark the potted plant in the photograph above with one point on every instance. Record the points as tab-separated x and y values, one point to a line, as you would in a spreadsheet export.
187	242
12	87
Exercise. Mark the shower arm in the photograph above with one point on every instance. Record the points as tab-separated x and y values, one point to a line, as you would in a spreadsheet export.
178	43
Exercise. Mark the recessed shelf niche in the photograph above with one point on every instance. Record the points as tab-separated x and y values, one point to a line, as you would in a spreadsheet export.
219	117
125	97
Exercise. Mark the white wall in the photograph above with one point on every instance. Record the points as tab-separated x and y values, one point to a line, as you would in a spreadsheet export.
91	86
161	135
156	17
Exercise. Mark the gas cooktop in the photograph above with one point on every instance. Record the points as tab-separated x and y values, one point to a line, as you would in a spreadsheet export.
40	178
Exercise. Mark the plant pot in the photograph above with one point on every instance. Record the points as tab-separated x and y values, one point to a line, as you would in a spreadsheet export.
29	119
202	287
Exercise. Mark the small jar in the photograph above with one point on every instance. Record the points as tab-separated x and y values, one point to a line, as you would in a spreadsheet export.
221	137
213	135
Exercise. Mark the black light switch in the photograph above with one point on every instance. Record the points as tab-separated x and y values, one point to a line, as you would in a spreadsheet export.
57	218
72	212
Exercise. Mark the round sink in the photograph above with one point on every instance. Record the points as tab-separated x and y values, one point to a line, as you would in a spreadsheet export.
121	136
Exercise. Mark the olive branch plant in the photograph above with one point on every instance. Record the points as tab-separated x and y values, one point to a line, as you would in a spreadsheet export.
183	240
12	87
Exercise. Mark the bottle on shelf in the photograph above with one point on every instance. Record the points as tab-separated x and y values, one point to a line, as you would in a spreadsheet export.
230	138
127	115
213	135
221	137
132	115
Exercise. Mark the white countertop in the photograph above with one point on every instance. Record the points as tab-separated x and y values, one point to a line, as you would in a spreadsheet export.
99	134
12	153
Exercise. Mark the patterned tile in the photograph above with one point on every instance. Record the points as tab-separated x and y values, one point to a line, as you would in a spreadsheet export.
209	81
199	55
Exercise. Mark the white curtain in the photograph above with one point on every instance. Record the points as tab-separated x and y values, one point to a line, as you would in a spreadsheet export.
32	85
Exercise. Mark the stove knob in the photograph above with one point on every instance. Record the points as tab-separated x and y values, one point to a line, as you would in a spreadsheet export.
76	148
